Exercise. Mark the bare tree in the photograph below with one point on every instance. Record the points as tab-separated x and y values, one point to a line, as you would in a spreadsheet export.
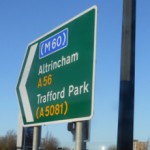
66	148
8	142
49	142
112	147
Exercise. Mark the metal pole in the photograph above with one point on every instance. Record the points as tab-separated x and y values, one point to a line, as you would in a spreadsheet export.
36	138
79	136
126	99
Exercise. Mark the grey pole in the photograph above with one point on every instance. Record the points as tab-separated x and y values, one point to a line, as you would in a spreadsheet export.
79	136
126	99
36	138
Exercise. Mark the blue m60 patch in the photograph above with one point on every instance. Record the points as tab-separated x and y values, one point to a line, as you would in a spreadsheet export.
54	43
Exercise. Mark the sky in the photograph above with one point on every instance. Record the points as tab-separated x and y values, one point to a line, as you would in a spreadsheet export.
21	22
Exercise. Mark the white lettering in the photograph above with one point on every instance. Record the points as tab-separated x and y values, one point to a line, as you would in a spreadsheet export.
51	96
63	61
77	90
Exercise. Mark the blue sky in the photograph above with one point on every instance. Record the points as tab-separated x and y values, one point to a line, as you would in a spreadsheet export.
24	21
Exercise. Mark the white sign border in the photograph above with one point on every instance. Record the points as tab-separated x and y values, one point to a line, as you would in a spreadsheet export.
93	80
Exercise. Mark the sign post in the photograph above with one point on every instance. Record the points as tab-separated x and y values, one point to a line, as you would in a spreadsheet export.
56	83
36	138
79	136
126	99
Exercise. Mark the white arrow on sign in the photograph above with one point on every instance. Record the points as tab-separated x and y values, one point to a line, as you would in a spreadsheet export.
22	87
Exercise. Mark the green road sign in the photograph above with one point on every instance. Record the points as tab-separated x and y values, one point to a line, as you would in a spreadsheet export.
56	83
